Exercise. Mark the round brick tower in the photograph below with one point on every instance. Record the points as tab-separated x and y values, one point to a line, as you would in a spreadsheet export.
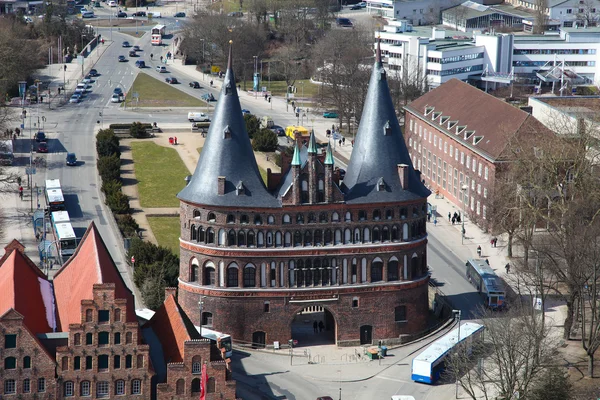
258	263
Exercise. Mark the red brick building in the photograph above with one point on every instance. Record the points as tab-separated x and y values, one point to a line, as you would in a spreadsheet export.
459	138
28	368
78	336
255	258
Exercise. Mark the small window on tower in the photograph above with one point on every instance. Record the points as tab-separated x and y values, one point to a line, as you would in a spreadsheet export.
387	129
227	132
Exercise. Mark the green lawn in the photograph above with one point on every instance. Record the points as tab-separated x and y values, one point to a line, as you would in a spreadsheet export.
160	174
279	88
155	93
166	231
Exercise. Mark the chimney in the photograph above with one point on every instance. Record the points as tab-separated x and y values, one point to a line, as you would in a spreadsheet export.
170	291
403	174
221	185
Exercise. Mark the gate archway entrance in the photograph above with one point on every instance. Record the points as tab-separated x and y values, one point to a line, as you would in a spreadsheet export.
313	326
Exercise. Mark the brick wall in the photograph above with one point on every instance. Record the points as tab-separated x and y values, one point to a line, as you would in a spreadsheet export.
40	366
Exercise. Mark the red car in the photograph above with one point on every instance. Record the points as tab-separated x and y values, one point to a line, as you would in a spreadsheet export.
42	147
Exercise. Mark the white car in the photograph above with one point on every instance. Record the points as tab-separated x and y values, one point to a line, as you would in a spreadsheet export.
161	68
74	99
115	98
112	3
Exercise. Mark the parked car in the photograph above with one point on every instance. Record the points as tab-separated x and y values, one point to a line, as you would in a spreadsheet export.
112	3
139	14
198	117
71	159
356	7
87	79
208	97
87	14
40	136
42	147
195	85
115	98
278	130
132	53
126	44
137	48
93	72
343	22
171	80
121	14
118	91
122	59
330	114
140	64
74	99
363	4
179	15
161	68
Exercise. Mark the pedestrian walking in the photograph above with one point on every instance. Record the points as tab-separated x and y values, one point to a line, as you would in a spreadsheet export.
434	221
333	127
294	107
315	327
453	220
21	192
343	140
19	180
479	251
211	83
175	139
428	217
449	216
495	241
507	266
321	326
151	56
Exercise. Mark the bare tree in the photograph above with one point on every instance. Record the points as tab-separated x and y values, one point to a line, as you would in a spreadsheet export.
516	350
588	12
540	16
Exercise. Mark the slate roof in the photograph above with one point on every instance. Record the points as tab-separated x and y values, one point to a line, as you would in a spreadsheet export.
91	264
172	327
227	152
493	119
378	149
300	158
24	288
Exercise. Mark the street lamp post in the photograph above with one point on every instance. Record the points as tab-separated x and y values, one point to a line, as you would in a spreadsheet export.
457	313
464	189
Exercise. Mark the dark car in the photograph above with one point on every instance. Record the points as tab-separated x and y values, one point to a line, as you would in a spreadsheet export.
179	15
122	59
132	53
42	147
171	80
126	44
195	85
93	72
137	48
344	22
140	64
121	15
356	7
208	97
118	91
71	159
40	136
278	130
139	14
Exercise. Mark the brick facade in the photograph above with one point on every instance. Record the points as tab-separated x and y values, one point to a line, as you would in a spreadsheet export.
446	164
104	356
184	378
27	370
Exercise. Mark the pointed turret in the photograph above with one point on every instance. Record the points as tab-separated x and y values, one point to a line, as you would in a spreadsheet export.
296	159
378	150
329	155
227	154
312	143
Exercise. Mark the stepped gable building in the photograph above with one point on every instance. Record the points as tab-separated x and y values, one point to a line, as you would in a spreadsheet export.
460	138
181	353
26	309
76	336
352	253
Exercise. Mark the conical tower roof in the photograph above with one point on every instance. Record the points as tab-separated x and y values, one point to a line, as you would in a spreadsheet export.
228	153
329	155
378	149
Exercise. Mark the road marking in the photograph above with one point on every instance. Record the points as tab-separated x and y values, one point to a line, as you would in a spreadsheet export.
392	379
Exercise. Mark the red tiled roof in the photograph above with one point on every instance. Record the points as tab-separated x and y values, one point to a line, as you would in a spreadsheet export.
172	327
492	118
21	290
91	264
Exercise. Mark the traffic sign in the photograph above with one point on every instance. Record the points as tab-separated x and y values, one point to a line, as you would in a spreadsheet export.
132	259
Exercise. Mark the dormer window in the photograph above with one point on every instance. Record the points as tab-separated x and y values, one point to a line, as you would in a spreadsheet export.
228	90
428	110
387	129
468	134
477	139
380	185
227	132
435	115
460	128
382	74
444	119
239	189
452	124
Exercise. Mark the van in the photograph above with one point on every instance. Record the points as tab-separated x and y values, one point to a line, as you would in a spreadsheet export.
266	122
154	14
198	117
294	130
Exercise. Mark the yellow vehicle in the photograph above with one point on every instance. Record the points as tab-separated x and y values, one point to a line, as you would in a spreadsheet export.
294	131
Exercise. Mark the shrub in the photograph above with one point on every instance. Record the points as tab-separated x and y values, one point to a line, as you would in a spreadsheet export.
127	225
107	143
252	124
137	130
118	203
111	186
109	168
265	140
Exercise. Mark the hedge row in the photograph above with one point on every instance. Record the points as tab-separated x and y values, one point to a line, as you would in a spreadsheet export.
136	129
